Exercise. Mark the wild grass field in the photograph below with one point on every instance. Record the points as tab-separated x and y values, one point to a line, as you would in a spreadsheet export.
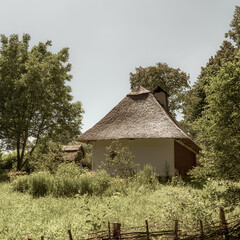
23	214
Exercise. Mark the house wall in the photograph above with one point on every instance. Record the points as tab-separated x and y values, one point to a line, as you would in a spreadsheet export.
157	152
184	158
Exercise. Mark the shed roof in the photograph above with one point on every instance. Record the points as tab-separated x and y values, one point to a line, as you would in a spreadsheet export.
138	115
71	148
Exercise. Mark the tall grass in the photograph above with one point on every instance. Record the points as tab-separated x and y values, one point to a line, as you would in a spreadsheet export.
69	180
23	215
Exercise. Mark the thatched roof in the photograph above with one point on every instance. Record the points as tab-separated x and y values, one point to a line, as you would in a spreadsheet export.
72	152
139	115
71	148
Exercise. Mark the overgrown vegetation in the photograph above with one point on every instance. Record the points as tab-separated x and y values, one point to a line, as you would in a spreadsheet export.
131	203
119	160
212	110
35	101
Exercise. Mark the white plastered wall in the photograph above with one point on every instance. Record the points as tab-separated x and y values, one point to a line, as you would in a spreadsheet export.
157	152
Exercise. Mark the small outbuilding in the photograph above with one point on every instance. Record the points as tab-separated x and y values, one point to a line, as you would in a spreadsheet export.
73	153
143	123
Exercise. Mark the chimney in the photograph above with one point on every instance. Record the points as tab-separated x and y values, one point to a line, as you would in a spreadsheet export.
162	97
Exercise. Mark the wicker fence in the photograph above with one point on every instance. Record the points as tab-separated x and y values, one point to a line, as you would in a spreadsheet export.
220	230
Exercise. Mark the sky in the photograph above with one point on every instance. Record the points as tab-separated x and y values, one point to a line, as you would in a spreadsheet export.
108	39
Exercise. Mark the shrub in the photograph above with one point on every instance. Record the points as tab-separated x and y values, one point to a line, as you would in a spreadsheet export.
46	157
21	184
40	183
102	182
69	180
3	176
68	170
147	175
87	160
120	159
8	160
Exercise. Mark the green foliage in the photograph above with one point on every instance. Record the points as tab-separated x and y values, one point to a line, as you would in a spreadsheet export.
87	160
46	157
34	98
68	181
234	33
8	160
88	213
173	81
195	99
119	160
219	125
22	184
147	176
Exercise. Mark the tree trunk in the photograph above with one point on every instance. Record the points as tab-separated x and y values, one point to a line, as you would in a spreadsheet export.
19	157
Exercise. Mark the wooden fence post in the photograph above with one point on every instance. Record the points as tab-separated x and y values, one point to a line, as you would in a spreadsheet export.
109	231
70	235
201	230
147	229
42	237
176	230
29	238
116	231
224	226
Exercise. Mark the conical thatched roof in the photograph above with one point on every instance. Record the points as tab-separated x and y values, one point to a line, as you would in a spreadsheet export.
138	115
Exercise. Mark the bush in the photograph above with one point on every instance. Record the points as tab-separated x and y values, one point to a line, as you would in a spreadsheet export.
3	176
21	184
8	160
40	184
69	181
147	175
120	159
87	161
46	157
102	182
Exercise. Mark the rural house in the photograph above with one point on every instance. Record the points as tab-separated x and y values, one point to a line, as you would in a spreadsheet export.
142	122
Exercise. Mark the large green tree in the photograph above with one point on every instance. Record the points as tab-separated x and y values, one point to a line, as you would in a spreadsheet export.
195	98
35	101
234	32
219	125
173	81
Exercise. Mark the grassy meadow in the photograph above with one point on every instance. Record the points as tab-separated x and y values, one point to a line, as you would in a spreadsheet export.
130	202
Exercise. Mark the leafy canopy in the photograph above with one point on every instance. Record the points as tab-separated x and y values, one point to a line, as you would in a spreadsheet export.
173	81
195	98
219	126
34	98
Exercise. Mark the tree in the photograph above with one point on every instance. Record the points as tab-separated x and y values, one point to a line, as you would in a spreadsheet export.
219	126
195	98
234	33
35	101
173	81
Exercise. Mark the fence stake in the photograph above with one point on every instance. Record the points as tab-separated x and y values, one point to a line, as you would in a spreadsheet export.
176	230
42	237
109	231
224	223
147	229
201	230
29	238
70	235
116	231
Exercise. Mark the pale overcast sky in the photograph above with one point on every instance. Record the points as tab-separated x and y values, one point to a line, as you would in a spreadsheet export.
109	38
